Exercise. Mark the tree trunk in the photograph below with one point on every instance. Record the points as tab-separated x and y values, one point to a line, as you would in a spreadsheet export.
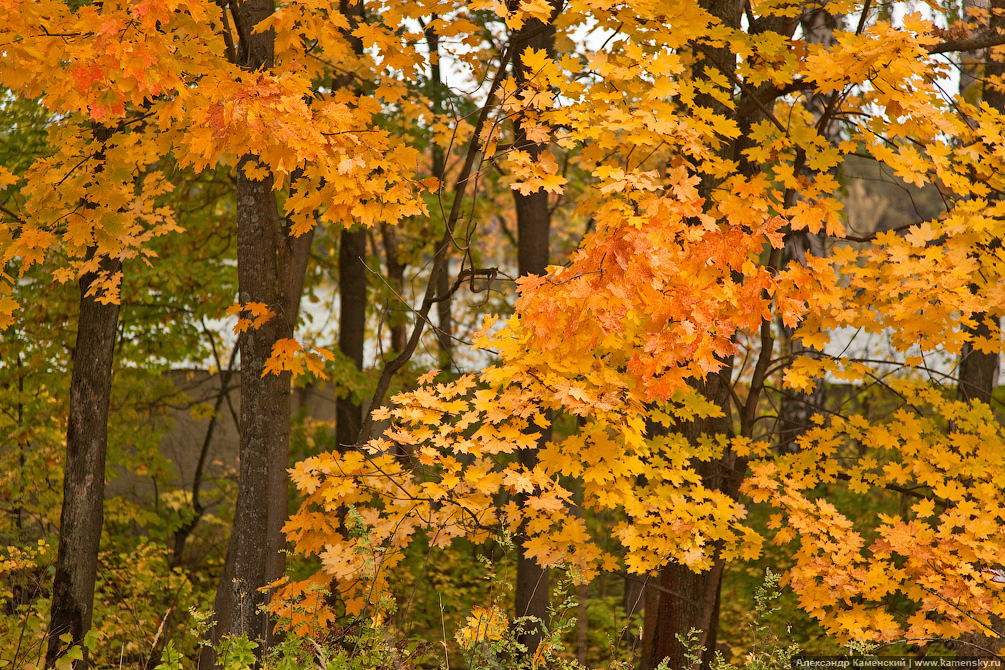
979	370
396	278
978	374
84	476
688	600
264	419
352	327
796	408
255	554
271	267
533	237
352	272
972	63
444	319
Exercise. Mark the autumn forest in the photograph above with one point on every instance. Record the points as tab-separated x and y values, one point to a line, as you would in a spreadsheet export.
500	334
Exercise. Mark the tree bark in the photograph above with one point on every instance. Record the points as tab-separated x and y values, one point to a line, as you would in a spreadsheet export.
533	237
796	408
444	318
271	266
352	274
264	419
979	370
396	278
82	513
688	600
352	327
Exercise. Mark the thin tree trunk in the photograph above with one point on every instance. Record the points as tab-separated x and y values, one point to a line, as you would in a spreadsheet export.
396	278
185	531
440	255
633	601
533	237
81	517
444	319
352	275
352	327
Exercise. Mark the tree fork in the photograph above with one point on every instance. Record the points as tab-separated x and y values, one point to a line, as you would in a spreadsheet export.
440	257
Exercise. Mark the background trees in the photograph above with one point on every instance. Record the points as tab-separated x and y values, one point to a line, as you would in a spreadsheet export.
606	427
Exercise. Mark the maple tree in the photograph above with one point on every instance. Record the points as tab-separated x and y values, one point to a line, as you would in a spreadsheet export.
202	106
151	330
682	275
533	219
699	141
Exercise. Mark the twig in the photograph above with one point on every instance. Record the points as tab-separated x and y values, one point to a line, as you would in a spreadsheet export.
440	257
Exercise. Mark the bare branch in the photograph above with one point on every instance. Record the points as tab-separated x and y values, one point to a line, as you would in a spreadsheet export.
984	40
440	257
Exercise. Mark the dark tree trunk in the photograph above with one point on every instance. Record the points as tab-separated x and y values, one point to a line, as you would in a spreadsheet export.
271	267
444	319
649	617
796	408
396	278
979	370
352	274
352	326
533	237
689	600
972	63
265	417
694	606
84	475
